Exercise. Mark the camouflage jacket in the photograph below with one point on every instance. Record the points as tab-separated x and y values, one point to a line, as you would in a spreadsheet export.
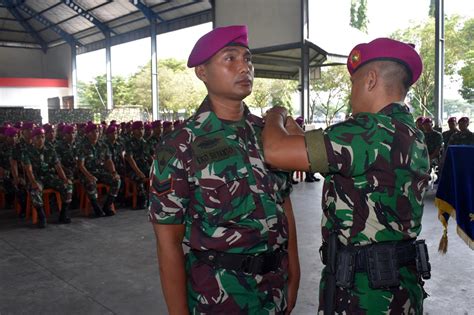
447	136
67	154
378	173
152	142
116	151
434	140
209	175
140	151
462	137
42	161
93	155
6	152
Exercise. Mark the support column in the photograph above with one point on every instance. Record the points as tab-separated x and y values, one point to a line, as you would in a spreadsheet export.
439	63
154	72
304	82
74	75
108	61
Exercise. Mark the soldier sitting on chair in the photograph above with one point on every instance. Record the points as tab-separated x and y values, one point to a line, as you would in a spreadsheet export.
139	158
95	165
43	169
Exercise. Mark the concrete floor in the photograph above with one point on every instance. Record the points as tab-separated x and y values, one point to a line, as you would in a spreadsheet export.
108	265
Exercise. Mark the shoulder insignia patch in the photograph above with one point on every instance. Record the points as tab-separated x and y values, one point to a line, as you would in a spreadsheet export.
162	187
163	157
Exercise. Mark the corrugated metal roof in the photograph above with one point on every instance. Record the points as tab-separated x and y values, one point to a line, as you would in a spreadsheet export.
85	23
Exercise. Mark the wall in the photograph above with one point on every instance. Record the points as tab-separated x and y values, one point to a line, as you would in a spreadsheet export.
33	63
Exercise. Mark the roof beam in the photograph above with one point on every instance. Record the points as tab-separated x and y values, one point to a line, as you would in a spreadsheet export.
40	18
88	15
13	11
147	12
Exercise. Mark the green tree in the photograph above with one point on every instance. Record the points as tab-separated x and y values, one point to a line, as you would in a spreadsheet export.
423	36
261	95
94	94
330	94
453	107
270	92
467	70
359	18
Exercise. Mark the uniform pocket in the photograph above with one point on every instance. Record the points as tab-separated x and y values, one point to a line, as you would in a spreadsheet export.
226	201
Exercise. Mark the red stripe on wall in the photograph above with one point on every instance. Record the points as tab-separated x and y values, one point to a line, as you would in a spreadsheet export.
33	82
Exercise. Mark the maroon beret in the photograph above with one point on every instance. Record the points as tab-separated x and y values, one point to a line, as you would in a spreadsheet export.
10	131
137	125
28	125
464	119
386	49
48	127
427	120
37	131
452	119
90	127
156	123
18	125
420	119
111	129
209	44
68	129
167	124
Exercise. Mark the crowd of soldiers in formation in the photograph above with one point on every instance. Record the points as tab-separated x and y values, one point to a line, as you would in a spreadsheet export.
437	142
64	157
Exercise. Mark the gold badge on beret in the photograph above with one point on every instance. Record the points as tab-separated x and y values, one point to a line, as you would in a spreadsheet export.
355	58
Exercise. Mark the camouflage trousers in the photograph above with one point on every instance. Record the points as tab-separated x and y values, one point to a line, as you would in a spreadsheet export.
361	299
141	189
219	291
54	183
102	177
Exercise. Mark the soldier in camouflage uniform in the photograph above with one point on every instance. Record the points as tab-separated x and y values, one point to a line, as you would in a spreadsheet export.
155	137
66	151
464	135
376	173
139	158
433	140
95	165
212	191
452	123
44	170
116	149
50	136
6	152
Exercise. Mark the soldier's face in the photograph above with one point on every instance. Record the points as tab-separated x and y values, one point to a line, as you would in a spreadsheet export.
69	137
452	125
50	135
138	133
229	73
463	125
38	141
93	136
112	136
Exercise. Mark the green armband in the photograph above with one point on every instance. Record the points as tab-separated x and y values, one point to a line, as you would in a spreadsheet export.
316	149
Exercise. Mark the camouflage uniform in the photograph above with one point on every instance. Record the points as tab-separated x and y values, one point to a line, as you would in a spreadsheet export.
434	141
210	176
43	162
94	157
153	142
139	150
373	192
447	136
462	137
116	152
67	155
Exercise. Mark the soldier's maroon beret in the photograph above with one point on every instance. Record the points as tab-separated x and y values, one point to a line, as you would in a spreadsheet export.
386	49
28	125
10	131
167	124
90	127
420	119
111	129
156	123
427	120
451	119
220	37
48	127
18	125
37	131
68	129
463	119
137	125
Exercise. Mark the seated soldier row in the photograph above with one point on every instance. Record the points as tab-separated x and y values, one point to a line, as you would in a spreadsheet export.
42	159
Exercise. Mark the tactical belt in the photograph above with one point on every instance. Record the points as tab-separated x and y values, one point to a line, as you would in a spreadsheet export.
253	264
405	253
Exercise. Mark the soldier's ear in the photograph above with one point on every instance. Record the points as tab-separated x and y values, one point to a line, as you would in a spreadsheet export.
371	79
201	73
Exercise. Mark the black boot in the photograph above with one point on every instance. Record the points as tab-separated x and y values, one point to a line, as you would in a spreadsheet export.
141	203
41	217
97	210
107	208
63	216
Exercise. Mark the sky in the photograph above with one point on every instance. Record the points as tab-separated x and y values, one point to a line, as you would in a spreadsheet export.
329	31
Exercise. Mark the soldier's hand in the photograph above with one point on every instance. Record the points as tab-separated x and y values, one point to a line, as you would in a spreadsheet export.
34	185
292	127
278	110
92	179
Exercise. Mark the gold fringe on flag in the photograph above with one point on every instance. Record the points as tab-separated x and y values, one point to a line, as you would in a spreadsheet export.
443	242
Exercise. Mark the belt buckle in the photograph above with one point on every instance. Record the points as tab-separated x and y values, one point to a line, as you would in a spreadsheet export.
252	264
